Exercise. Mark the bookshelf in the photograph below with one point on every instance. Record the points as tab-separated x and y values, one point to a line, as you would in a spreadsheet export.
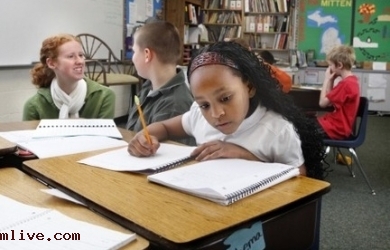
222	19
186	23
267	26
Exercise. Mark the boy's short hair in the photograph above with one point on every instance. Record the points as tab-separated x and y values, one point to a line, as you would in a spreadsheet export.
163	38
344	54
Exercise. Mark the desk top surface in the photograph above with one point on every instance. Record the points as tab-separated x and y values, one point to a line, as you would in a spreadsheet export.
161	211
6	146
21	187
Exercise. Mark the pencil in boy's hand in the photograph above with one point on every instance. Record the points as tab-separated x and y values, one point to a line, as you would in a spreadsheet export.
141	116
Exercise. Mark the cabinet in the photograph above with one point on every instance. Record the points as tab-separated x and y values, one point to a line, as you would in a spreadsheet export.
185	23
267	26
376	87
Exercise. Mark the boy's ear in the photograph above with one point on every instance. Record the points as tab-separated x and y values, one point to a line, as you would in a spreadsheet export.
148	55
339	65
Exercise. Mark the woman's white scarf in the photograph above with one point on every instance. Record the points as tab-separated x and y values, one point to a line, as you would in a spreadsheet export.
69	105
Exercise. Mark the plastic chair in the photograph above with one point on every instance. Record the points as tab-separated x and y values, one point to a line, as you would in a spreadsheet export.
354	141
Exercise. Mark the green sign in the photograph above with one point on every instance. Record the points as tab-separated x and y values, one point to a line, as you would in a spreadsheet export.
371	33
324	24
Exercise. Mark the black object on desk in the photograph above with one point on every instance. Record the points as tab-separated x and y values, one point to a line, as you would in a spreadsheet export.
307	99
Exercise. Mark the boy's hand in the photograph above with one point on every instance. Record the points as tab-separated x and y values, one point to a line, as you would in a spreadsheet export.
220	149
329	75
140	147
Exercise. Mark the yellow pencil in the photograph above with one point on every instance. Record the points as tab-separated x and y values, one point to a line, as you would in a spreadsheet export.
141	116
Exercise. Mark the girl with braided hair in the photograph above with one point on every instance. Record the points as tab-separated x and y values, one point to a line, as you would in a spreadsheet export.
239	112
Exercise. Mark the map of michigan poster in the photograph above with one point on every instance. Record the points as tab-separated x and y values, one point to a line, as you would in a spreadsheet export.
371	33
324	24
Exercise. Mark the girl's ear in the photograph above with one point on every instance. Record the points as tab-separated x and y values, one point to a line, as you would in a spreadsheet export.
251	89
51	63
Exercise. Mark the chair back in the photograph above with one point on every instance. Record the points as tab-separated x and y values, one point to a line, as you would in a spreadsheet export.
101	64
96	48
359	134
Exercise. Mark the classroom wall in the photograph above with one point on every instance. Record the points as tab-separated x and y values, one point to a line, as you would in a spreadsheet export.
16	88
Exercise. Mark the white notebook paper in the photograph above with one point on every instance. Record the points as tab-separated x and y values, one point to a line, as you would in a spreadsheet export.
50	224
57	146
75	127
167	156
225	181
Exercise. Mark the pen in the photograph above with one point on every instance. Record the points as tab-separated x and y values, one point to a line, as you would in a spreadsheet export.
141	116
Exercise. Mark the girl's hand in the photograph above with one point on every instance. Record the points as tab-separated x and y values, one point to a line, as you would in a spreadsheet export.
140	147
220	149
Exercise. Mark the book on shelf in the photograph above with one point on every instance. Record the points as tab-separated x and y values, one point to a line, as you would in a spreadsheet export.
28	227
167	156
225	181
75	127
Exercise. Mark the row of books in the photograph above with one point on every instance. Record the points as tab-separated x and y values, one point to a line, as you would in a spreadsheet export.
221	33
274	6
267	23
192	13
222	17
280	41
223	4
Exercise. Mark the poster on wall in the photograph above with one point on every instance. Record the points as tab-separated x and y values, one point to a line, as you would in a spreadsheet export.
136	13
324	24
371	33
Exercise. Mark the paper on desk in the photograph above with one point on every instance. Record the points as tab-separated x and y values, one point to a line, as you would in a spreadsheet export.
18	135
56	146
57	193
9	214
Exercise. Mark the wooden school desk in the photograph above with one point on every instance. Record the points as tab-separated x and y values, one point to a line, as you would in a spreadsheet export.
17	185
6	147
173	220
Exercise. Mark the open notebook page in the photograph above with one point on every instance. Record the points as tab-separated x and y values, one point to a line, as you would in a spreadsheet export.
168	155
225	180
75	127
52	225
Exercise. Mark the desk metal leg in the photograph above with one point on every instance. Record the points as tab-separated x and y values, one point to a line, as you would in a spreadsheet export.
316	243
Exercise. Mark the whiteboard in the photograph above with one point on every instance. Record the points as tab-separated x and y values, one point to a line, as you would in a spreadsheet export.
26	23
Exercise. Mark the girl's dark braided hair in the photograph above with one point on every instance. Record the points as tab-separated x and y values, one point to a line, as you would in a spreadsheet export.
269	95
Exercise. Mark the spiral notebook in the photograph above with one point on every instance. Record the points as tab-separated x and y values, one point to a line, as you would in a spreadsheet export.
28	227
168	156
76	127
225	181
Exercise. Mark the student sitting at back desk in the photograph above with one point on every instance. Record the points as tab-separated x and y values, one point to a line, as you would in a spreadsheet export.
63	92
239	112
283	78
